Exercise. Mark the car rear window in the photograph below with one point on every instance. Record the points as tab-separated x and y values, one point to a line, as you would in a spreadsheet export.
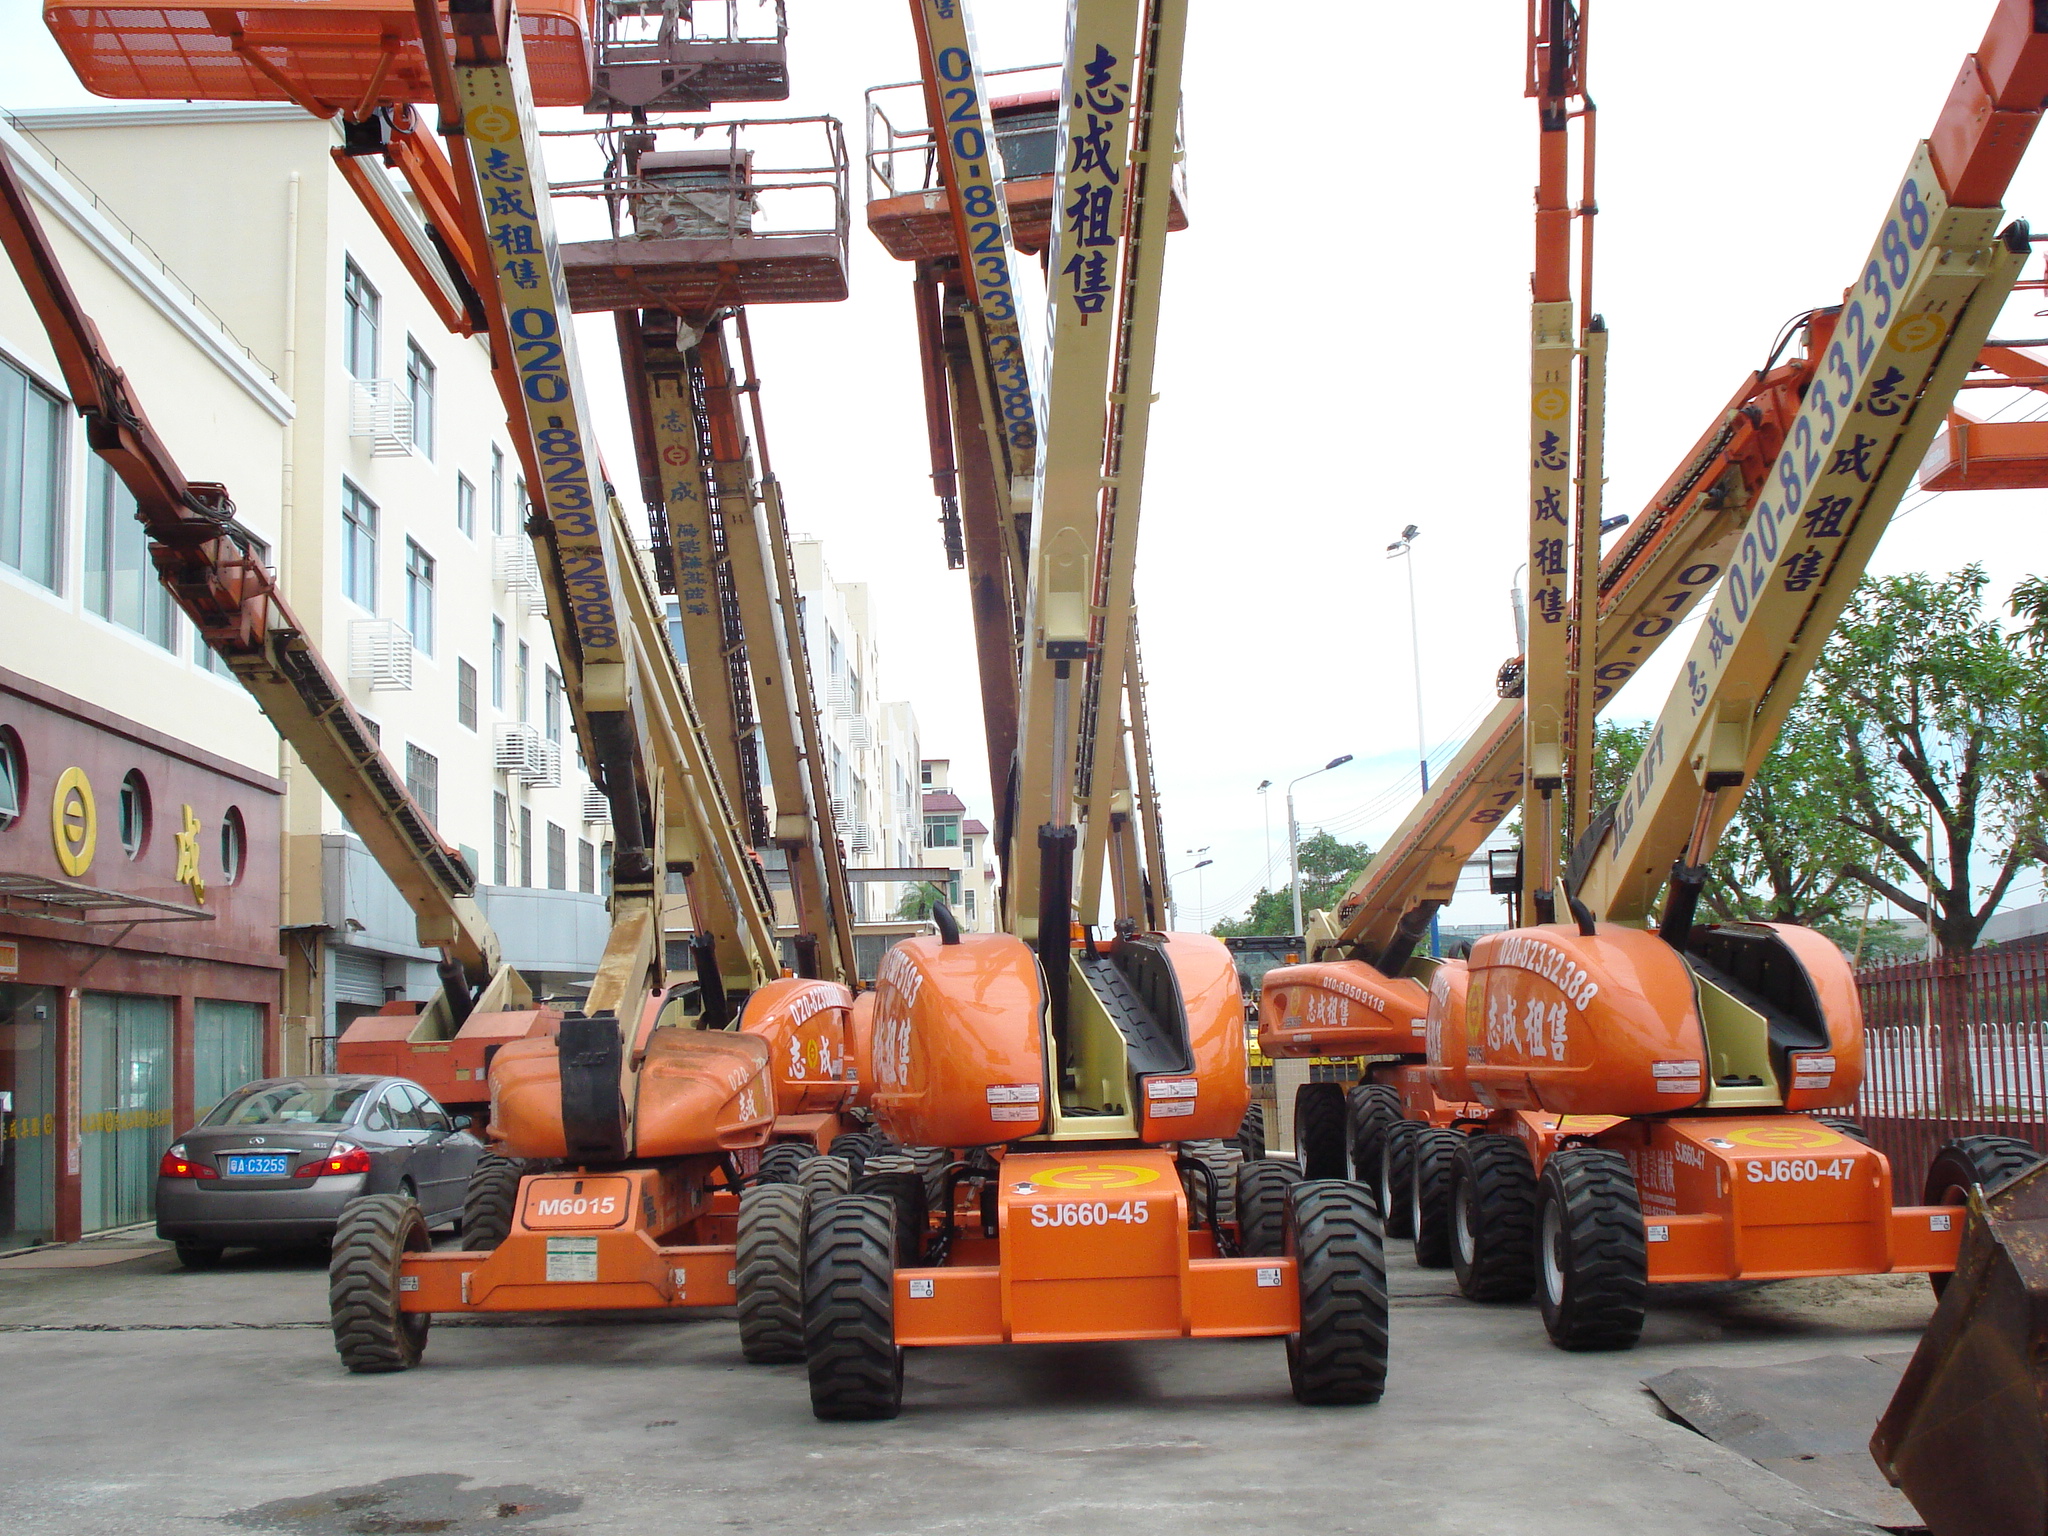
288	1104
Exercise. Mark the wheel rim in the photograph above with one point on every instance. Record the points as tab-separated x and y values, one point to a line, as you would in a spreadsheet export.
1553	1257
1467	1246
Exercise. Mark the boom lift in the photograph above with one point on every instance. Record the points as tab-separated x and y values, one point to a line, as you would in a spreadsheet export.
651	1116
1716	1047
1084	1075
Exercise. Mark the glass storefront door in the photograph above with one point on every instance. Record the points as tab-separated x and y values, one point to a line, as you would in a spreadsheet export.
29	1020
227	1050
124	1094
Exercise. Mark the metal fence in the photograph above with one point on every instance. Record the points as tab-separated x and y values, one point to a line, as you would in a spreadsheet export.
1953	1048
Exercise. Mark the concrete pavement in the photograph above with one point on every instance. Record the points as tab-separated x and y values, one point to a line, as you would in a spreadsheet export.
140	1398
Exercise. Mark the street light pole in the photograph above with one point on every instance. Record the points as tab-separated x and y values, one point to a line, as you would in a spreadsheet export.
1405	546
1173	901
1294	837
1266	807
1201	896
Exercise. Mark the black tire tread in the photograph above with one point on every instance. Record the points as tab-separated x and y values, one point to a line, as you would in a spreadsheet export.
1262	1187
1991	1161
826	1177
371	1334
1251	1132
768	1271
1501	1178
1396	1174
1430	1195
1339	1356
1222	1159
849	1309
1370	1108
1320	1143
780	1162
489	1202
1607	1276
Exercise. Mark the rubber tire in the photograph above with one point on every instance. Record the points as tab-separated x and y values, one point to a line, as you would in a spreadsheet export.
1222	1159
1493	1219
1592	1261
1262	1188
1991	1161
1850	1128
1251	1133
490	1201
768	1272
1339	1356
780	1162
826	1178
849	1309
371	1240
1319	1131
200	1255
855	1146
1397	1172
1371	1109
932	1163
1429	1195
896	1175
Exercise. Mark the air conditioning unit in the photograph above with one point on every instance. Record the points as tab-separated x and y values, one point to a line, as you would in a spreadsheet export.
520	750
860	734
595	806
380	653
841	695
515	569
838	811
546	771
381	411
860	838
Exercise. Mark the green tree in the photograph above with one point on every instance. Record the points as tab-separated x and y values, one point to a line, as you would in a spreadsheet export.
917	903
1327	867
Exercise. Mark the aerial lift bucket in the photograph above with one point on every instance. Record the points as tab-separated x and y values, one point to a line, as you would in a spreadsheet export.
1966	1436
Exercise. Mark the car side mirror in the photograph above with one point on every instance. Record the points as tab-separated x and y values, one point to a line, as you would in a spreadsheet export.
463	1122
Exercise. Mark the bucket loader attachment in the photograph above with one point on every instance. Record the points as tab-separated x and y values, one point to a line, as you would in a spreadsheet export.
1966	1435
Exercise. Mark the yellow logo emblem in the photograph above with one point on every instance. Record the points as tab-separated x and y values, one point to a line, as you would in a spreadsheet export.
1919	333
1782	1138
491	123
1097	1176
74	824
1549	402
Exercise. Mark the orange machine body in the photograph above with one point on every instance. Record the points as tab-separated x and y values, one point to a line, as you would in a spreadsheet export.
455	1071
1340	1008
955	1042
1213	1005
328	56
804	1024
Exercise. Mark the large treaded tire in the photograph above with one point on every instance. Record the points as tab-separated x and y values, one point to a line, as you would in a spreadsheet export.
1262	1188
931	1164
855	1147
1990	1161
1222	1159
1370	1109
779	1163
850	1349
490	1201
1251	1132
897	1175
1319	1116
826	1177
768	1272
1396	1175
1853	1129
1592	1262
1493	1219
371	1240
1340	1355
1429	1195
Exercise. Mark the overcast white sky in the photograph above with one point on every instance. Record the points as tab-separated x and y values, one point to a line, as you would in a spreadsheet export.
1344	351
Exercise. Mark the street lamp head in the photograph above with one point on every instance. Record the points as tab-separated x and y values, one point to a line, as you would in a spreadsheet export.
1609	524
1337	762
1264	785
1410	534
1205	864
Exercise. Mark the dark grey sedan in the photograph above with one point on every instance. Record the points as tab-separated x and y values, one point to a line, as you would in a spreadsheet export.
276	1160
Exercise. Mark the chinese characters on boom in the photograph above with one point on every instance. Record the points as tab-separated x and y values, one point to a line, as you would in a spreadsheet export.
514	203
1097	132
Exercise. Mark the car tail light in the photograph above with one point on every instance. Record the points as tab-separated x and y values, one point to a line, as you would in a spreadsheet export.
176	1165
340	1158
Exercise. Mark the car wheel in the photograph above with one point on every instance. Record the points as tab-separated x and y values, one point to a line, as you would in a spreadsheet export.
200	1255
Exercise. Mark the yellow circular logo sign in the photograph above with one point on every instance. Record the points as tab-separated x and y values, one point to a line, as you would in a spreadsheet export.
1096	1176
1919	333
493	124
1782	1138
74	825
1549	402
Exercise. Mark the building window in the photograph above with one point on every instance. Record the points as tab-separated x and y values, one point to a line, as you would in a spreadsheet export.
358	547
558	858
942	831
497	663
501	836
526	845
134	814
13	778
361	315
31	479
924	773
497	489
465	507
234	847
120	578
423	780
586	865
519	507
967	904
604	870
519	681
419	389
465	693
419	597
551	702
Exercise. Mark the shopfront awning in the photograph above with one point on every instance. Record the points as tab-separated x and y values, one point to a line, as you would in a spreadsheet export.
66	901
